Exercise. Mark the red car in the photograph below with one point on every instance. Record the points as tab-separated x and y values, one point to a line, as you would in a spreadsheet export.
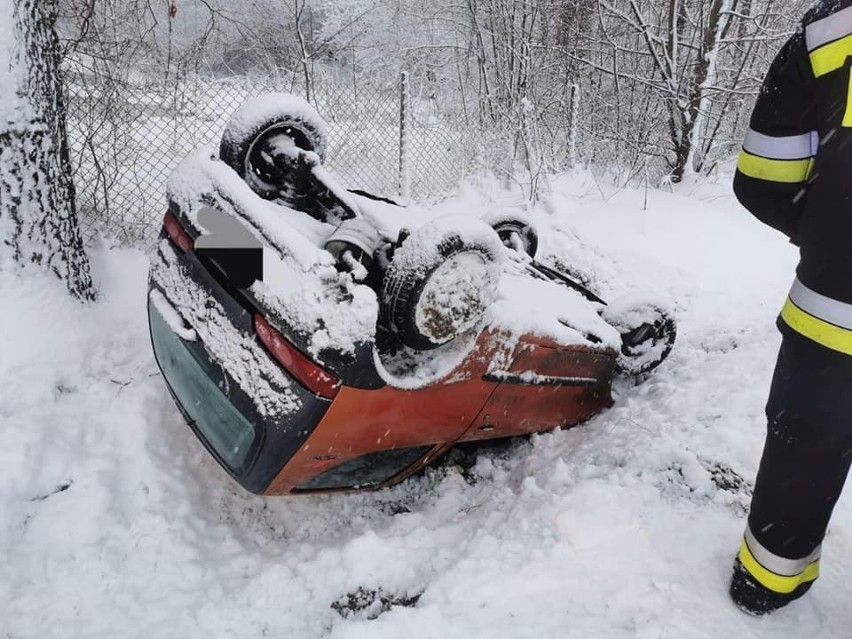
317	339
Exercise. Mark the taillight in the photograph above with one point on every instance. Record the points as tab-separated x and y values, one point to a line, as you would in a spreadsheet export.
176	234
309	374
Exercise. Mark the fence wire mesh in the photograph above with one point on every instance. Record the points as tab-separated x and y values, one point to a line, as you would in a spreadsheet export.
128	136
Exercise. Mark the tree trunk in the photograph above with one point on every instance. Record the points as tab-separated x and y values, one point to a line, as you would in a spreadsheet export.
38	216
705	77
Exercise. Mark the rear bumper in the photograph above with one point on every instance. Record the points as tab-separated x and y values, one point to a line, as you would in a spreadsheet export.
249	414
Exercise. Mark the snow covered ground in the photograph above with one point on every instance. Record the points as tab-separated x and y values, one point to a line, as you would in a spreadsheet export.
115	523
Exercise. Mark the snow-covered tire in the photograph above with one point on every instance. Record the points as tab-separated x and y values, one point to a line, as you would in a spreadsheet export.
648	333
516	234
255	122
441	281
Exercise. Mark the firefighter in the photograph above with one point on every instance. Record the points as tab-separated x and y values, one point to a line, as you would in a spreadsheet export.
795	174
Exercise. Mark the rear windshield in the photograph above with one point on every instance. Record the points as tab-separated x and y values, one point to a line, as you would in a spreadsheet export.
224	428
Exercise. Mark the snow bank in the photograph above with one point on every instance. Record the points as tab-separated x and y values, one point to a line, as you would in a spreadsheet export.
117	524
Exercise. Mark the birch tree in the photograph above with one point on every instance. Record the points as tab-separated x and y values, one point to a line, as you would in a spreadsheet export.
692	63
38	218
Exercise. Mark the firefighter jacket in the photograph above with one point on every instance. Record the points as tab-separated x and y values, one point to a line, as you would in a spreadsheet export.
795	169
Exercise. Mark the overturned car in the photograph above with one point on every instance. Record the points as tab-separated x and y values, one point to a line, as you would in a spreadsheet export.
319	339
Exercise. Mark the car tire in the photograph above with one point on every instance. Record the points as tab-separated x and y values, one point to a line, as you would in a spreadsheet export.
648	333
440	283
255	122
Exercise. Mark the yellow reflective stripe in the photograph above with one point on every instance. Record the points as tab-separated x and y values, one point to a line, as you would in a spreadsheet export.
776	583
847	118
820	331
832	56
784	171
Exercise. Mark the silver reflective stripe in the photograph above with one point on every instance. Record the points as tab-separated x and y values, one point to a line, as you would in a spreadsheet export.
820	306
793	147
779	565
837	25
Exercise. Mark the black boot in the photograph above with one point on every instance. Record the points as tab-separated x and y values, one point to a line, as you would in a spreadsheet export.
754	598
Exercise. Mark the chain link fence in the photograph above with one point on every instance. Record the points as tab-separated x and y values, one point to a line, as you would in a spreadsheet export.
127	136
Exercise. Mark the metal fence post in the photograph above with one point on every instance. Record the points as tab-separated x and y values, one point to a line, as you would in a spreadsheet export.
404	129
572	131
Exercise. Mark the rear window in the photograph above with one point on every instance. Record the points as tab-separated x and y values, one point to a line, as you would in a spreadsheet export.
222	426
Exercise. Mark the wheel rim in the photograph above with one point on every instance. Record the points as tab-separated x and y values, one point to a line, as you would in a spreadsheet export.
257	167
454	297
647	346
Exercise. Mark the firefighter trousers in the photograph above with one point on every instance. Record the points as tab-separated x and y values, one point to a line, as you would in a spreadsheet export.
805	461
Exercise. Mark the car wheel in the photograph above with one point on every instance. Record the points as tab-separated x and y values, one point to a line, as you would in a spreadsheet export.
264	138
441	281
648	334
516	234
